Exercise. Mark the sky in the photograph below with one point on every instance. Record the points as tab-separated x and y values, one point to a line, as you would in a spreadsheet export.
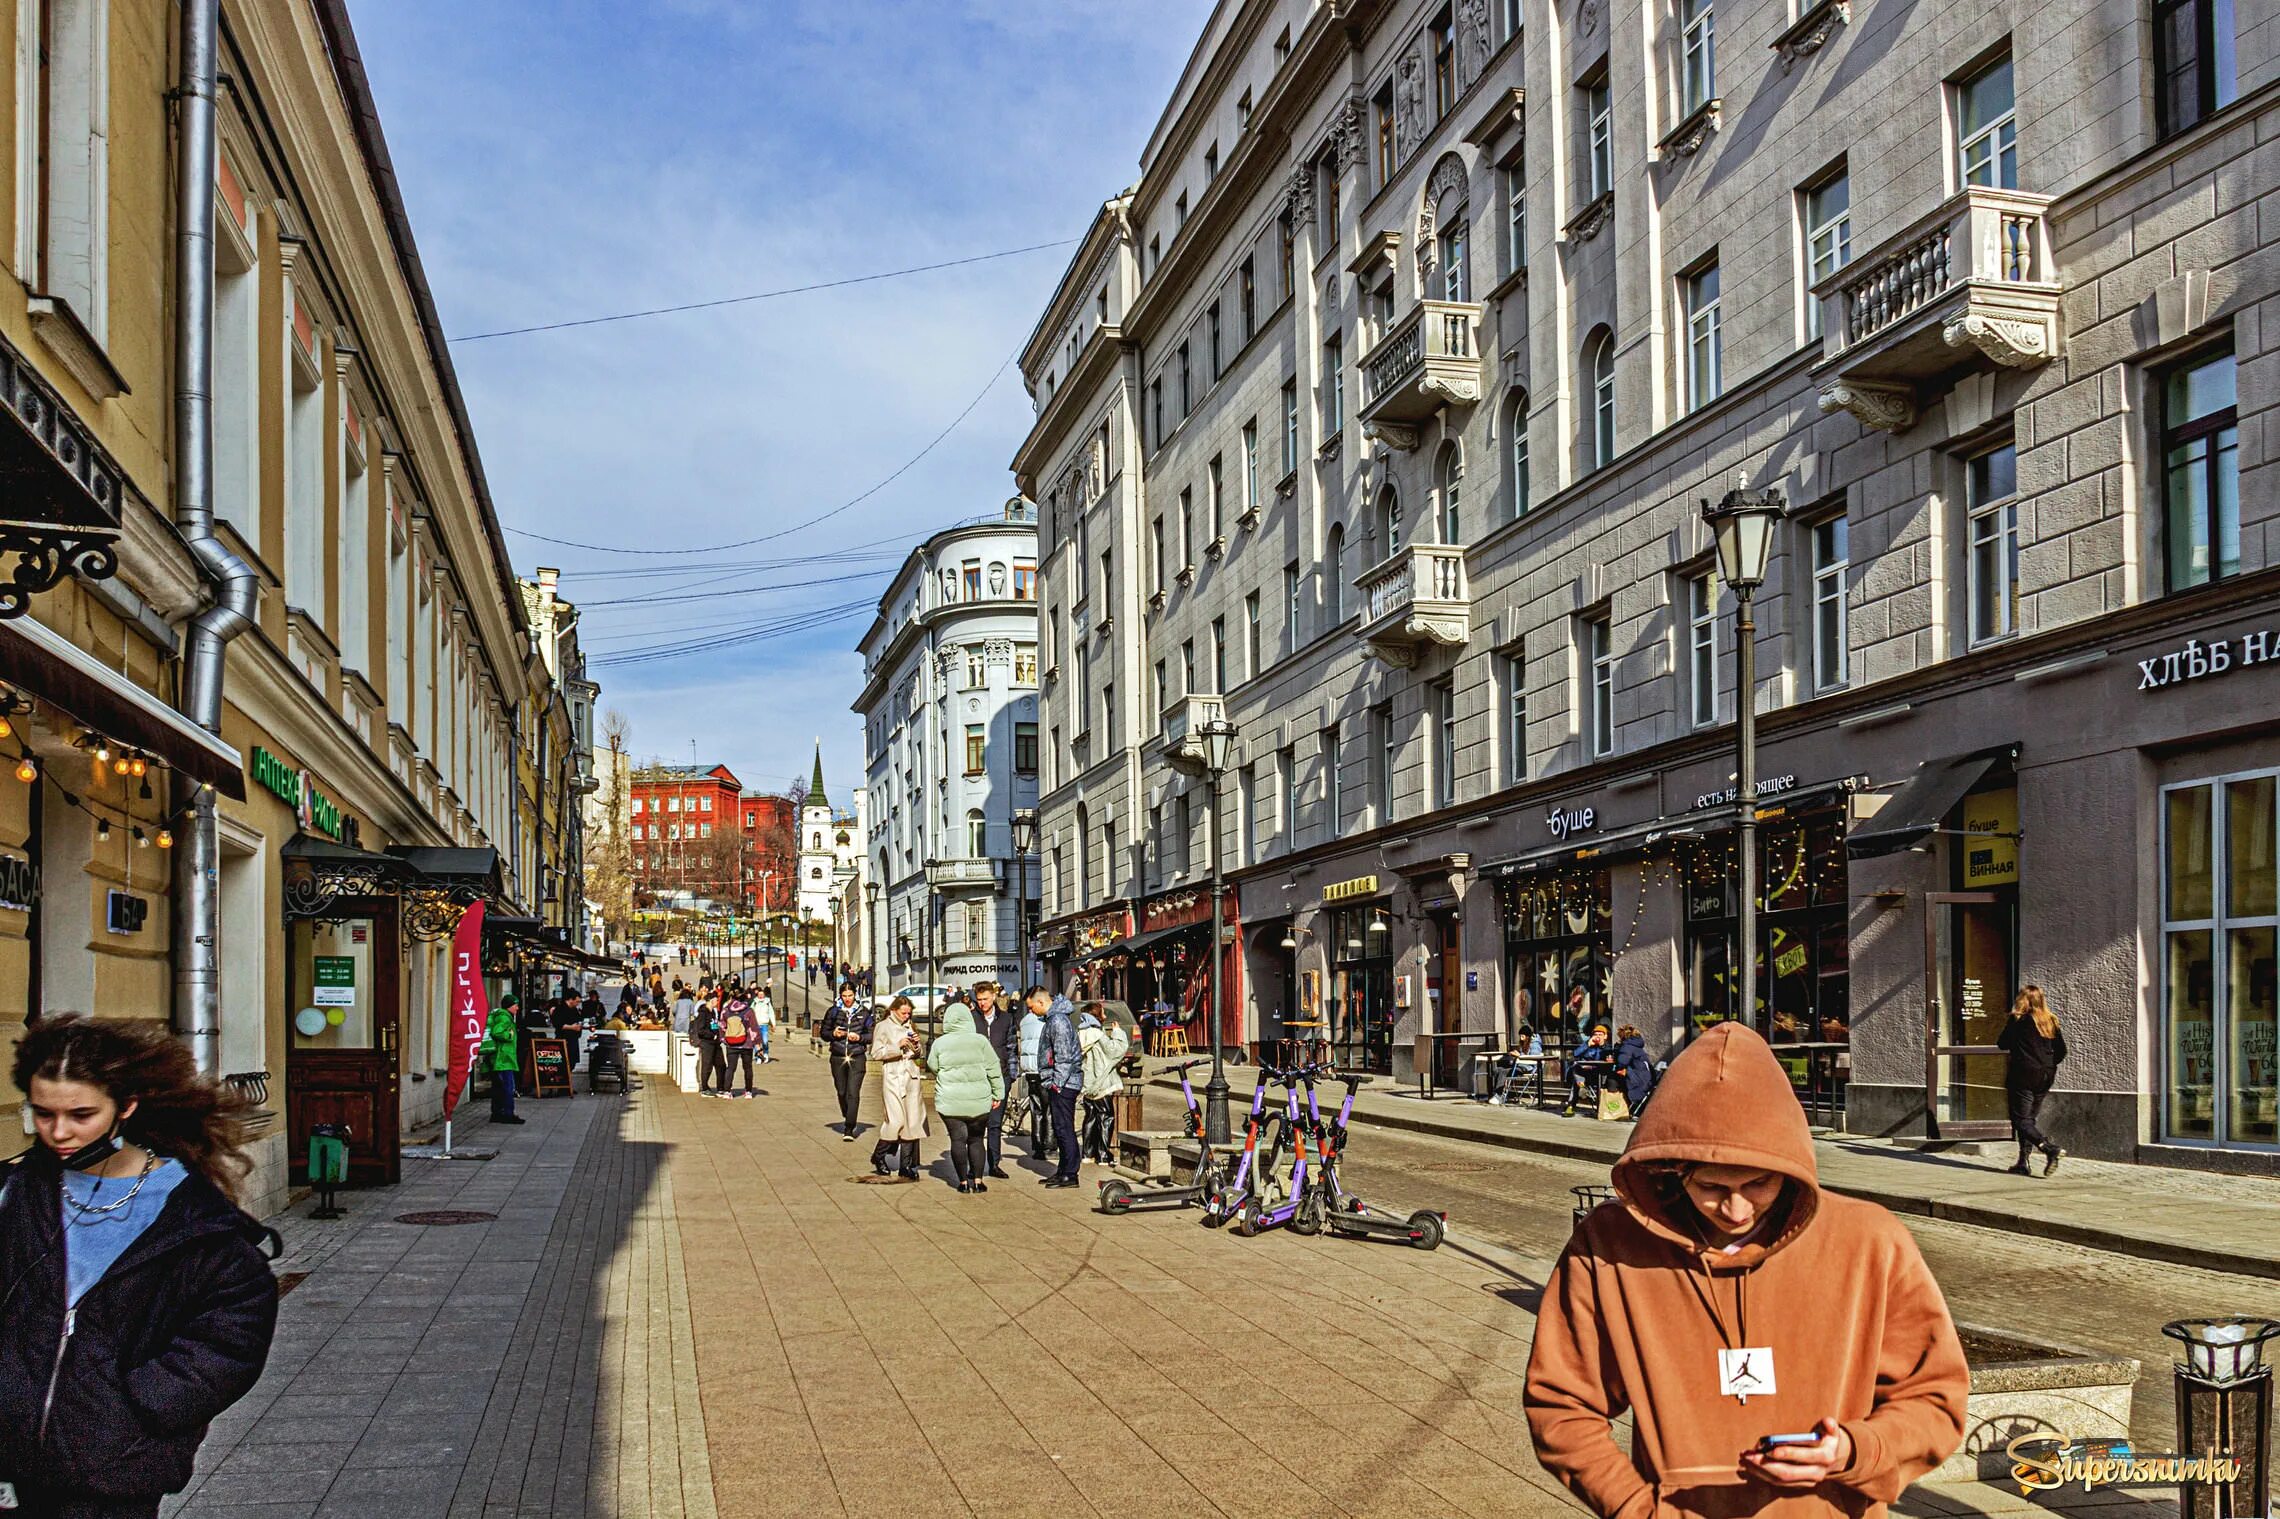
570	159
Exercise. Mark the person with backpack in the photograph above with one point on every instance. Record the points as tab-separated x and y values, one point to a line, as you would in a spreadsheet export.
969	1088
738	1039
1061	1067
764	1022
1102	1045
2033	1047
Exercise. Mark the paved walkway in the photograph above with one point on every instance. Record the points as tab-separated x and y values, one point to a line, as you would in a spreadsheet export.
2227	1223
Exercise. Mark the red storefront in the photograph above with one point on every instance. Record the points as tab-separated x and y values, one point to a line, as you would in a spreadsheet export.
1168	965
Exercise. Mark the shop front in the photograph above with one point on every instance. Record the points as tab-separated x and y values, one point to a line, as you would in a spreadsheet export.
1170	970
1364	1000
1090	959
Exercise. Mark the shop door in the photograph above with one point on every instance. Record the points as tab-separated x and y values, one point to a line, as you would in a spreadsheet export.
1967	995
1445	993
341	980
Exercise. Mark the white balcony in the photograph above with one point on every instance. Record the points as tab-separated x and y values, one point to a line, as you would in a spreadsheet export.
1188	724
1427	360
952	874
1973	283
1417	597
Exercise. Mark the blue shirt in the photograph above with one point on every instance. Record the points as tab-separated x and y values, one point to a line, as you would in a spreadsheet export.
93	1242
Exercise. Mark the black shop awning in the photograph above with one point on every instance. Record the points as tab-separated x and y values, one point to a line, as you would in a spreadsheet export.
474	871
43	663
1921	805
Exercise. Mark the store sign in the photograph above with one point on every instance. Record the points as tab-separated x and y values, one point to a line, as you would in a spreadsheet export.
1566	822
2196	660
296	790
1347	891
19	883
1991	843
1771	786
333	981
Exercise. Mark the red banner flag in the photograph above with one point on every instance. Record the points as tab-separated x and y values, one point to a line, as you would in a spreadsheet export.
470	1009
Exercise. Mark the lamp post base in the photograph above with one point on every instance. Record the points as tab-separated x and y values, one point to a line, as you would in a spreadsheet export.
1215	1130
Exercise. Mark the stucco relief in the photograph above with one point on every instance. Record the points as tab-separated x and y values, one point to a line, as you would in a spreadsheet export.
1408	105
1474	41
1445	195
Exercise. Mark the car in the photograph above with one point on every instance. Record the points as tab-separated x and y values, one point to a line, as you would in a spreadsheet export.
924	999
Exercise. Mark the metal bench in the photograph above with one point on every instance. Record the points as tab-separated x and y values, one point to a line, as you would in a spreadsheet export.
253	1086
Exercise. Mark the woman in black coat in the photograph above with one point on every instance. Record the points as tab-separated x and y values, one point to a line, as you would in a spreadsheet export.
2035	1045
137	1304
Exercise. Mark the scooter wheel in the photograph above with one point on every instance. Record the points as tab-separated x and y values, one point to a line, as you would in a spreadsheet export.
1426	1230
1308	1218
1247	1219
1115	1196
1209	1184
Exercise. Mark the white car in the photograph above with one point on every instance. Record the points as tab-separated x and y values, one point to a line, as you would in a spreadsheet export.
923	999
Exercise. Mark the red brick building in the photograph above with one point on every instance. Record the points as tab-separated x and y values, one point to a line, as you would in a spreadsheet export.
770	850
688	832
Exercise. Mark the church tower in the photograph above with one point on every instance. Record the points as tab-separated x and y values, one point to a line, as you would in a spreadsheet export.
817	861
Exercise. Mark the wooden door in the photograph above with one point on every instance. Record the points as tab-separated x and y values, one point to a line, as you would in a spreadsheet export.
347	967
1448	1059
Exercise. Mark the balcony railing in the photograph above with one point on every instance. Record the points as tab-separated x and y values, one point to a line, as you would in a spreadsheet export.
1418	596
1187	725
1427	360
961	872
1974	282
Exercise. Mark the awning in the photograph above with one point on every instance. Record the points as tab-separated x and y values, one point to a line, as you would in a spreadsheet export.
469	870
317	871
49	666
1922	804
1621	842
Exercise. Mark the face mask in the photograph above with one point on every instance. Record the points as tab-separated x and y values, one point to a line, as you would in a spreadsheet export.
89	1156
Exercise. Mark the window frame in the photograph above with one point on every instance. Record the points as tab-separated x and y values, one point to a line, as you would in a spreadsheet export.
1599	675
1599	144
1831	606
2211	429
1698	55
1701	635
1444	698
2003	537
1999	132
2215	67
1834	232
1513	697
1705	340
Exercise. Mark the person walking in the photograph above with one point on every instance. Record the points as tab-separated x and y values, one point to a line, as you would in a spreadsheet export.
1725	1297
764	1023
969	1089
1035	1002
894	1045
2033	1046
738	1040
997	1023
139	1305
847	1031
1061	1068
704	1033
1101	1045
499	1049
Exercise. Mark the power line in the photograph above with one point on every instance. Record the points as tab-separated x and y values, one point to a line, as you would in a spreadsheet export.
751	633
714	587
764	295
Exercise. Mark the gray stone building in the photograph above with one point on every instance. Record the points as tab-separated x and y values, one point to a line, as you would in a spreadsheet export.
950	745
1381	412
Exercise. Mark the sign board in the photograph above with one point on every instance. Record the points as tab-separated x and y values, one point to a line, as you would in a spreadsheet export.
125	913
1346	891
1991	843
296	790
550	1067
19	883
333	981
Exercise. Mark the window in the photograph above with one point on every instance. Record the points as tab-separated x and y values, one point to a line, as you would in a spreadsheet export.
63	173
1444	699
977	835
1282	47
1599	704
1333	577
1251	465
2220	931
1025	665
305	536
972	578
1211	163
1516	449
1290	425
1326	179
1987	128
1025	748
1286	810
1451	477
1512	684
355	549
1388	757
976	749
1333	787
705	803
1250	635
1179	211
1702	648
1599	112
1155	254
1211	323
1156	409
1444	46
1515	218
1156	556
976	676
1187	527
1162	696
2193	60
237	400
1832	557
1025	581
1243	110
1991	495
1456	260
1699	73
2200	472
1704	368
1334	385
1219	655
1381	108
1286	252
1247	299
1599	376
1187	385
1512	10
1215	494
1292	589
1187	667
1828	239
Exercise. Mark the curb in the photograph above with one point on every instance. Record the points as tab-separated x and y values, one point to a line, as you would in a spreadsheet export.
1979	1216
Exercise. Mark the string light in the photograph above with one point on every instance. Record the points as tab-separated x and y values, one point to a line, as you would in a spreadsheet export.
27	770
165	838
119	765
142	839
103	829
138	767
7	729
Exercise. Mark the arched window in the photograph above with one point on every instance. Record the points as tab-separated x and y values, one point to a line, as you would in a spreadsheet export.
1389	521
1599	386
1516	449
1333	577
1449	479
977	835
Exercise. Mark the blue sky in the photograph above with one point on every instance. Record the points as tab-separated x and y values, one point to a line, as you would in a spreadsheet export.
570	160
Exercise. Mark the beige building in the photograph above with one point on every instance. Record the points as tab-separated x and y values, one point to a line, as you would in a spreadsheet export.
1380	414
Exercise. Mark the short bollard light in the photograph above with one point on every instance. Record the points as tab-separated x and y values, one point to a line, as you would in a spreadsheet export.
2224	1408
328	1166
1588	1198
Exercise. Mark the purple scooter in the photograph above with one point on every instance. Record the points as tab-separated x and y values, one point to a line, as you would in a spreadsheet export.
1256	1212
1329	1205
1119	1196
1224	1204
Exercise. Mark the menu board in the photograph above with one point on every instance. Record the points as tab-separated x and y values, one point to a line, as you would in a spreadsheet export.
550	1067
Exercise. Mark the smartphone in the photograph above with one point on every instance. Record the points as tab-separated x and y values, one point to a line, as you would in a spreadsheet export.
1775	1442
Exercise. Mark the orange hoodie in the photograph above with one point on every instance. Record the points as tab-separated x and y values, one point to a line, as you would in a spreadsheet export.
1834	1287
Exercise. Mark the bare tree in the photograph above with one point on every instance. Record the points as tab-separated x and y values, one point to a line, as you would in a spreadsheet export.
609	848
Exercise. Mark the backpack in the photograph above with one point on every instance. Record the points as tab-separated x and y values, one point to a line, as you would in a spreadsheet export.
733	1028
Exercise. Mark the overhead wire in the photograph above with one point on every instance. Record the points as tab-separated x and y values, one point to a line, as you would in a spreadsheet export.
752	633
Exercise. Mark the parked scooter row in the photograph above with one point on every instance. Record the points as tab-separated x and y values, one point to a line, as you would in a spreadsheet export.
1259	1193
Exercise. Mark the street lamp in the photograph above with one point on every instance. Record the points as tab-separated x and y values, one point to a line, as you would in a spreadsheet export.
876	949
1024	840
1743	524
1218	737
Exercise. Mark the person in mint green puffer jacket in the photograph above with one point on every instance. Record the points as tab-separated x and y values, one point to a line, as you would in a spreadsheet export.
969	1081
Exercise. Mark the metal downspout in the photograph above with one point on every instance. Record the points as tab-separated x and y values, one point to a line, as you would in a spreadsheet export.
196	893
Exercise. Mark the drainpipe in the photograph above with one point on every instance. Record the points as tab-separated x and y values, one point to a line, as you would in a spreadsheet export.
196	893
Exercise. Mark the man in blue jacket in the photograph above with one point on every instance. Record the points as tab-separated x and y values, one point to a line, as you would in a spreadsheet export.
1061	1064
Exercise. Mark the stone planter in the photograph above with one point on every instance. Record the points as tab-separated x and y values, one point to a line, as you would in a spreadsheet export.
2029	1387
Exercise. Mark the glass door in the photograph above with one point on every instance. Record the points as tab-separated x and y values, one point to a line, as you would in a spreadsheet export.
1968	982
344	1007
2220	944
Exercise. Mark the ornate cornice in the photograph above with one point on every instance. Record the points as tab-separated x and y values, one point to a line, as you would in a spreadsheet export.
2013	344
1815	27
1686	139
1585	224
1887	408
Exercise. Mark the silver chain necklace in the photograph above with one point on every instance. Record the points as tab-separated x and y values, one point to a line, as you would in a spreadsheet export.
150	1164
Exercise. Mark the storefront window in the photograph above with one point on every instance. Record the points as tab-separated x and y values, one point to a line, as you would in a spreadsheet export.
2221	896
1557	954
332	986
1361	992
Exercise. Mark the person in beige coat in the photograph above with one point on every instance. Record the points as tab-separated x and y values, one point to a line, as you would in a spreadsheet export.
894	1050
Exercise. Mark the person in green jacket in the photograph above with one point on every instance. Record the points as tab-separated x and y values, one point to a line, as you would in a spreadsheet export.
499	1044
969	1083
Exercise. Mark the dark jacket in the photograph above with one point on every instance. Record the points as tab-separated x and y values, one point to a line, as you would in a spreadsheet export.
2034	1060
857	1020
1060	1058
1003	1031
1637	1071
175	1332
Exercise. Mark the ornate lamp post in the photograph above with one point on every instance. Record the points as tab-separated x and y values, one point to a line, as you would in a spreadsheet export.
1218	737
876	932
1024	840
1743	524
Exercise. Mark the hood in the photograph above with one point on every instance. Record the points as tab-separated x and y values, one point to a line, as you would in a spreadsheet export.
1088	1019
1724	1101
956	1020
1062	1008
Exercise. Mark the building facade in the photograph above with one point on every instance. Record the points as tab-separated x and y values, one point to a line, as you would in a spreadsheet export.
949	709
1380	415
829	848
688	833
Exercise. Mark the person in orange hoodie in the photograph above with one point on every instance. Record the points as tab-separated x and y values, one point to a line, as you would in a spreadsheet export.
1725	1298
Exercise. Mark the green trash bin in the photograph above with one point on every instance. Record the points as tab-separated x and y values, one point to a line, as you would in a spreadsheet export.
328	1166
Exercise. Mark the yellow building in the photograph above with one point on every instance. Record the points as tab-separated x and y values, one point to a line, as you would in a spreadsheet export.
377	675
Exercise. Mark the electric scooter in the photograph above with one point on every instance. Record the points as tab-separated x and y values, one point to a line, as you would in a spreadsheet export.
1119	1196
1328	1204
1223	1204
1273	1199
